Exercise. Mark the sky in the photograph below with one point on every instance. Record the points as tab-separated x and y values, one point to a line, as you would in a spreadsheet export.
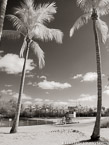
69	75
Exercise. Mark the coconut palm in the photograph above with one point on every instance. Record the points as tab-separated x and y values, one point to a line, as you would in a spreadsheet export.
93	9
3	4
30	20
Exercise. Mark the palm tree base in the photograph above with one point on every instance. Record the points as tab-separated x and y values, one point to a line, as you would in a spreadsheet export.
95	138
13	130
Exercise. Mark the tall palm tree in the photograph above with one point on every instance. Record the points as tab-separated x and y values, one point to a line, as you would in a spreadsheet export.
30	21
93	9
3	4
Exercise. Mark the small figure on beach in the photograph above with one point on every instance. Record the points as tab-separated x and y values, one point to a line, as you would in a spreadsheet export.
64	120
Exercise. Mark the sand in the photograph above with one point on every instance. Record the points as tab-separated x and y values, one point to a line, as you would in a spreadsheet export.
75	134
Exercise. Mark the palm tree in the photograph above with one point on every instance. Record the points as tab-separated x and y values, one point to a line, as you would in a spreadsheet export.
93	9
3	4
30	21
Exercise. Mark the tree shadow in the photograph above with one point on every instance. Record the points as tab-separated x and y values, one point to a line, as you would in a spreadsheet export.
4	132
101	141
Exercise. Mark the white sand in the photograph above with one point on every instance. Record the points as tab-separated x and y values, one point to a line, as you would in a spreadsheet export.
51	135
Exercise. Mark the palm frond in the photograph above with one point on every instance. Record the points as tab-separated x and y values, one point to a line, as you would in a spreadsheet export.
80	22
44	33
27	3
103	3
11	35
44	13
26	11
103	10
103	28
85	5
39	52
22	14
17	23
23	48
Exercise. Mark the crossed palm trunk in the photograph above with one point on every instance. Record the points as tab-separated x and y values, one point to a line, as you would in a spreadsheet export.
16	119
96	131
94	9
29	21
3	4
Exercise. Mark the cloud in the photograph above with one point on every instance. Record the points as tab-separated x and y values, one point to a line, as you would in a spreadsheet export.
48	100
84	98
43	77
8	85
77	76
29	76
1	51
32	84
89	77
24	96
27	103
106	92
53	85
7	92
60	104
29	83
12	64
47	93
38	100
106	87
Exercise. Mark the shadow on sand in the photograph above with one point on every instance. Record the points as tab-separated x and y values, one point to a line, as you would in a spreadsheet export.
102	141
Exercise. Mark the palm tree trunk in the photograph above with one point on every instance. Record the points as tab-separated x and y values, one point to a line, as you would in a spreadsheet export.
3	4
96	131
17	115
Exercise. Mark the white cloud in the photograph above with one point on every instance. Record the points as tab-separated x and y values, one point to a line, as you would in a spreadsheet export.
106	87
32	84
83	98
86	97
7	92
106	92
1	51
72	100
24	96
29	83
77	76
60	103
29	75
8	85
47	93
38	100
39	103
43	77
47	100
12	64
89	77
53	85
27	103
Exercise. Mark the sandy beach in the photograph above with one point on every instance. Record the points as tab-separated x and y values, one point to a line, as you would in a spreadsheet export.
72	134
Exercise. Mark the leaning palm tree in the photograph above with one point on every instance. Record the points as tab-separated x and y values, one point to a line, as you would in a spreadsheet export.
3	4
93	9
29	20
